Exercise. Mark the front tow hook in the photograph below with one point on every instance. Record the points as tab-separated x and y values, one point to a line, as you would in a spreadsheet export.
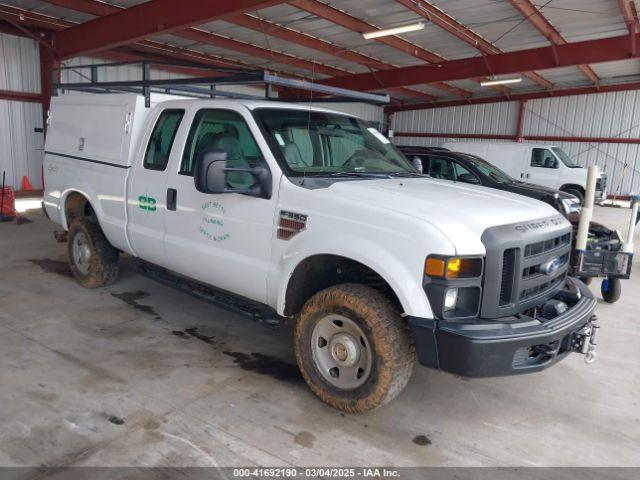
584	341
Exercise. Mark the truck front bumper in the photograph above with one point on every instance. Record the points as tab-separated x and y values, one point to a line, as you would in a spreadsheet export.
506	346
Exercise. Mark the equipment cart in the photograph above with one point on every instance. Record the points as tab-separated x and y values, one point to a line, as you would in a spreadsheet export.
607	256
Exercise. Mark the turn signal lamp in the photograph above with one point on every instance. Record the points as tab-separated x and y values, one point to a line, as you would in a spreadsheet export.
453	267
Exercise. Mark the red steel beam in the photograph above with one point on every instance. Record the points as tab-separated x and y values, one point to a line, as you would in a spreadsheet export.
479	136
139	51
519	96
520	121
293	36
94	7
248	49
540	22
20	96
552	138
33	20
47	64
460	31
629	13
349	22
144	20
542	58
535	138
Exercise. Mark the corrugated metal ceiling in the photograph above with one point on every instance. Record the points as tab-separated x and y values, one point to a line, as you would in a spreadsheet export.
497	21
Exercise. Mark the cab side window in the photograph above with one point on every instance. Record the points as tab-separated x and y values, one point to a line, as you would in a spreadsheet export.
220	130
462	174
159	147
440	167
543	158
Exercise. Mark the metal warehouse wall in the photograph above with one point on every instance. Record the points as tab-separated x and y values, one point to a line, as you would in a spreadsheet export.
613	115
20	145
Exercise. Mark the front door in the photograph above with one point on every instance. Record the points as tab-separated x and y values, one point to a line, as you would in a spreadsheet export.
543	168
147	205
223	240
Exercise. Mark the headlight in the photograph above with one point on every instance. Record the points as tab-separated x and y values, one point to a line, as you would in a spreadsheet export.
571	205
453	267
453	285
450	299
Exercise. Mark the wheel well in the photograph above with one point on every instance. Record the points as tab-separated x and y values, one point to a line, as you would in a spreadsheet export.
76	206
323	271
572	187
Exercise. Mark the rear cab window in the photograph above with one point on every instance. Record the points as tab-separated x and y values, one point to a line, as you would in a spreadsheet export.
164	132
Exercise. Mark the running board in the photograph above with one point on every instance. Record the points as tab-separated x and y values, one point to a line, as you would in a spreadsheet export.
219	298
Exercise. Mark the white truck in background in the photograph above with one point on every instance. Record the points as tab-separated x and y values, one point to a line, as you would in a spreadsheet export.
309	213
545	165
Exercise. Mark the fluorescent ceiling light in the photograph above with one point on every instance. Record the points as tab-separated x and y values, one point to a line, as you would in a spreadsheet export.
394	31
500	81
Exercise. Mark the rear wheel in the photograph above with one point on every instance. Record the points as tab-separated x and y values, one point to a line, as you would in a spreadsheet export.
611	289
353	348
94	262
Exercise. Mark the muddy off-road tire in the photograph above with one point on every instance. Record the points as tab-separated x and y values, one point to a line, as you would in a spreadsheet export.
353	348
93	261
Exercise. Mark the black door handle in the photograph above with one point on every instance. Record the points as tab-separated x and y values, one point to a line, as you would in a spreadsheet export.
172	198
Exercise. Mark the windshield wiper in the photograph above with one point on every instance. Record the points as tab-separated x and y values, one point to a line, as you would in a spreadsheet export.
359	174
407	174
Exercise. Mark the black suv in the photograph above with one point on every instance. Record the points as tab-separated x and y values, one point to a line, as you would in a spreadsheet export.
444	164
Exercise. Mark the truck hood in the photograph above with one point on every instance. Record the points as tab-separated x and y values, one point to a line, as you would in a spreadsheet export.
453	208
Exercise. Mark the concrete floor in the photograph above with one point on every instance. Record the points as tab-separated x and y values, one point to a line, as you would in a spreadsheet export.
140	374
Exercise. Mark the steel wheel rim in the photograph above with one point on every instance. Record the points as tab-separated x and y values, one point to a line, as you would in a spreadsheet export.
81	252
341	352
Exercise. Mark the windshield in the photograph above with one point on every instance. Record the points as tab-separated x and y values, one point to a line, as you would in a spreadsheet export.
564	157
322	143
494	173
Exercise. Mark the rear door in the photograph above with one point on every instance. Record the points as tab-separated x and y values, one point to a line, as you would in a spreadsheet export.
542	168
224	239
147	204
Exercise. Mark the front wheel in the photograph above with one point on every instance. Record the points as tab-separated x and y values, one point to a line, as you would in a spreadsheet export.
94	262
611	289
353	348
576	193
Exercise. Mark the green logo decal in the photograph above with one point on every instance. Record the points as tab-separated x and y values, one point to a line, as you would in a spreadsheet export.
147	203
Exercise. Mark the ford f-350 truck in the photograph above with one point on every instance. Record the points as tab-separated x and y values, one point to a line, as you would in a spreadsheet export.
314	215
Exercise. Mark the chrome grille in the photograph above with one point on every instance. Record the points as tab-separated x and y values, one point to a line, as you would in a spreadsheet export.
546	245
601	183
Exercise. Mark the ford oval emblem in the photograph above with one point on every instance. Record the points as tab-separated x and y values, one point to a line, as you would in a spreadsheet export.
551	266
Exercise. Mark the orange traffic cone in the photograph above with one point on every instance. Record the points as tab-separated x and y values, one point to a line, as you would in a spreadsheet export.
26	185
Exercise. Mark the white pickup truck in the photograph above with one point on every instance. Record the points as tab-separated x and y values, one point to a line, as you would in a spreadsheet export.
311	214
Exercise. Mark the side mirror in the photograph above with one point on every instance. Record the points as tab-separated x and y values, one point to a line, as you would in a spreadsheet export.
212	174
468	178
555	163
417	164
